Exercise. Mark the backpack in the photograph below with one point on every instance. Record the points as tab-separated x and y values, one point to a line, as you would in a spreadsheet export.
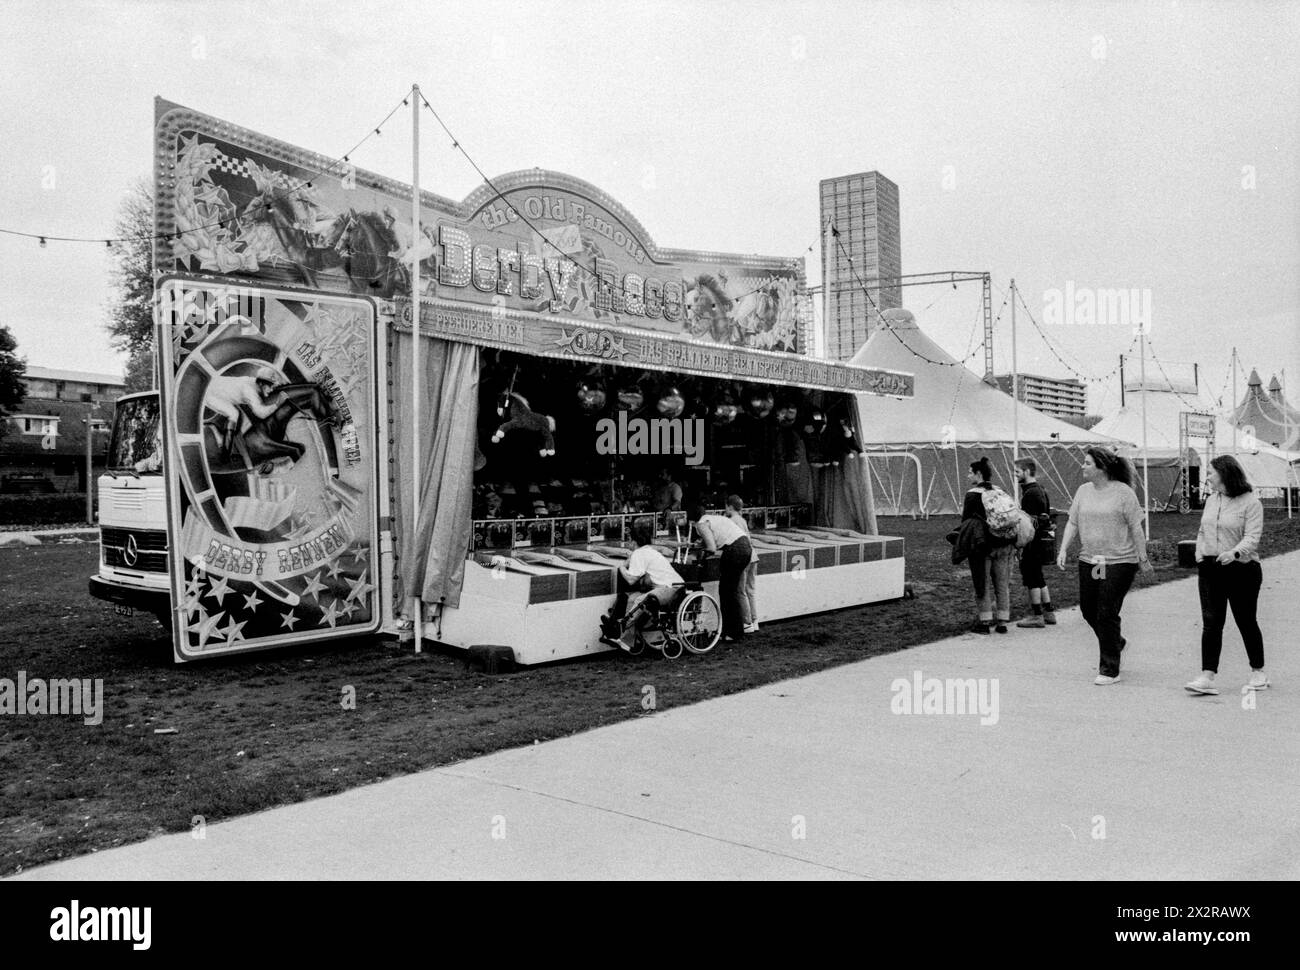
1026	529
1001	513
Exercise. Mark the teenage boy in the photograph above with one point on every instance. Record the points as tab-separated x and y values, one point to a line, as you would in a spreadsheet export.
1034	502
645	570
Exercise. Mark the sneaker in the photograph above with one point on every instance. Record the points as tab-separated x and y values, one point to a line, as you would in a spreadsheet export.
1037	621
1001	628
752	628
979	626
1203	684
1258	680
1049	617
1104	681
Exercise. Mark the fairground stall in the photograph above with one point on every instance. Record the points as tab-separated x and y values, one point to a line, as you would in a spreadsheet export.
572	378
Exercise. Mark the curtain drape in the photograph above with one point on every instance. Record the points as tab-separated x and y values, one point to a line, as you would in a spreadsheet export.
432	561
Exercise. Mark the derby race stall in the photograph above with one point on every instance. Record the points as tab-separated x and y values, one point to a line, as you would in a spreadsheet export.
570	379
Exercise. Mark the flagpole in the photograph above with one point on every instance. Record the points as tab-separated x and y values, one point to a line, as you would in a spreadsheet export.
417	610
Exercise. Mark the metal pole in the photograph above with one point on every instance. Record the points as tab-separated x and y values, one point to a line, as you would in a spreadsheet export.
1286	440
1146	486
90	484
1234	402
417	610
1121	380
1015	395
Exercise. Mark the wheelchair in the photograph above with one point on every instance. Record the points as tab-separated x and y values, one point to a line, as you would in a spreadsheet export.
690	620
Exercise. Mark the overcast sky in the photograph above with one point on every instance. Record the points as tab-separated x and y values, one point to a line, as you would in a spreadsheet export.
1150	146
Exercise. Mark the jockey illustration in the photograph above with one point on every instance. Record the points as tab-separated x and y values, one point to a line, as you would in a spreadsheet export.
243	401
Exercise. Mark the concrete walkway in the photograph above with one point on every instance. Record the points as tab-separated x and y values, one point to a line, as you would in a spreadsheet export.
818	778
88	533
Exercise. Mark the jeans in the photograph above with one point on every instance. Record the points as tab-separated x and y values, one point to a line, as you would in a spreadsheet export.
1237	584
731	593
749	587
991	576
1100	600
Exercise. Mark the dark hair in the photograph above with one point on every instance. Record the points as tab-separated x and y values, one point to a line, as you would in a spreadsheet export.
643	532
1028	464
736	502
982	468
694	512
1232	475
1112	464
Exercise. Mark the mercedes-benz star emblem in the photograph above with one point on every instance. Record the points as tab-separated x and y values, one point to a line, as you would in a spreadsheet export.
130	552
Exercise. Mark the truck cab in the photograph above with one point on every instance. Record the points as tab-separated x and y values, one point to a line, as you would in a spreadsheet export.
133	543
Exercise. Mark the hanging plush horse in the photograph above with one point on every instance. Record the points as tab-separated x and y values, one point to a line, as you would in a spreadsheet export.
523	418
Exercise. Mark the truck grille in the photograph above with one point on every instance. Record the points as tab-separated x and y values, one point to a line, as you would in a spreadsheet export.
150	549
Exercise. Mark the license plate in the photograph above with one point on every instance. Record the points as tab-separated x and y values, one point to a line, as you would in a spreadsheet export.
121	610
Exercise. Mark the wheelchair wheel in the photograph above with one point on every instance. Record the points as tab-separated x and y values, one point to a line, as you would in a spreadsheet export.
672	648
699	622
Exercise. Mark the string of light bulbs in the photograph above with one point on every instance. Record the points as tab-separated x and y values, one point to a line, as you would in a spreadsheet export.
1079	375
307	183
835	234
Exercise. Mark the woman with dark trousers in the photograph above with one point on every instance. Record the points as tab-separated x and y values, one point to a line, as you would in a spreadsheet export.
990	566
1228	571
1107	517
723	536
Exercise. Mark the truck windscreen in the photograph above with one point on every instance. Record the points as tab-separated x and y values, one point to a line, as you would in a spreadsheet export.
134	446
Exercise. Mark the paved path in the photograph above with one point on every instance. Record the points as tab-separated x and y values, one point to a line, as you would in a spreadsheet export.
817	778
41	536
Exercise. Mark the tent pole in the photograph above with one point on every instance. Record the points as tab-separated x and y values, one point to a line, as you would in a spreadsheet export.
1146	486
1234	402
1015	395
416	605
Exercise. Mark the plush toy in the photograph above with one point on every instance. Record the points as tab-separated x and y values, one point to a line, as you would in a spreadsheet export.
813	434
843	441
522	418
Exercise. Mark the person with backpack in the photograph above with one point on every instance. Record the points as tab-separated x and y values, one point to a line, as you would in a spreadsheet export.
990	562
1039	551
1107	517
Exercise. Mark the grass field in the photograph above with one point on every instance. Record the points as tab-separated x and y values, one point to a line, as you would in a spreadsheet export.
269	729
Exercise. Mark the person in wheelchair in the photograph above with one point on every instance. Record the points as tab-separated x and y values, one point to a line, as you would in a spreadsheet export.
647	583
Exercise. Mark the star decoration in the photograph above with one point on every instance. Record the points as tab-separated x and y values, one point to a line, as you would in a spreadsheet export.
191	605
252	601
313	588
205	628
332	614
349	608
231	631
195	586
289	619
360	553
334	569
359	587
219	589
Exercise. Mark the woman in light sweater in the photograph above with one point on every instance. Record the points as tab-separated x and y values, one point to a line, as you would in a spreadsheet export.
1107	517
1228	571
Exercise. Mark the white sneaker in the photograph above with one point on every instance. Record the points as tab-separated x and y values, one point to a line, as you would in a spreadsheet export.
1258	680
1203	684
752	628
1104	681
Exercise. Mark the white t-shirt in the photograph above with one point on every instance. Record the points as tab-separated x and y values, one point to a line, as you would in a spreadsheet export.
725	532
649	561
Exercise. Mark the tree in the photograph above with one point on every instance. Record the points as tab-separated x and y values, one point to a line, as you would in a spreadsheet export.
12	370
130	309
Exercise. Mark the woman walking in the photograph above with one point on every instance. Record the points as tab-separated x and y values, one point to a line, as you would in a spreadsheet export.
990	562
723	536
1228	571
1107	517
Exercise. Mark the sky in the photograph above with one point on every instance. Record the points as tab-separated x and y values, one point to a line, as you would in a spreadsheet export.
1153	147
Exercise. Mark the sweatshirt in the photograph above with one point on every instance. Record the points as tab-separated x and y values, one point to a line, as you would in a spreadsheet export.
1107	520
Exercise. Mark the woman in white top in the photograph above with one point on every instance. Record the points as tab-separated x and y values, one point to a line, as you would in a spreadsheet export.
1228	571
723	536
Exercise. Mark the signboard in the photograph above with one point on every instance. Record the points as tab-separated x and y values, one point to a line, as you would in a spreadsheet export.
269	412
562	338
1198	425
231	202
